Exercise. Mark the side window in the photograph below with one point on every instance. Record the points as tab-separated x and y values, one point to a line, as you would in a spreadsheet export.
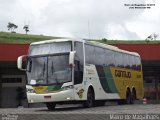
89	54
79	52
138	63
131	61
99	56
109	57
134	63
79	62
125	61
118	59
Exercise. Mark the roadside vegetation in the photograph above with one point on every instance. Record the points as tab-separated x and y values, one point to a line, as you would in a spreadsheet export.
17	38
128	41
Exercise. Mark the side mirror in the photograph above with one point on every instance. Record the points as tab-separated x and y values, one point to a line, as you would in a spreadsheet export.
20	62
71	58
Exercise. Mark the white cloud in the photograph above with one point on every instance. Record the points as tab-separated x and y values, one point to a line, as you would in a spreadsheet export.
146	23
79	18
120	32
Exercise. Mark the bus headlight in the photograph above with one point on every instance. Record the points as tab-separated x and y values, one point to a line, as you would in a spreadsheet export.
30	91
67	87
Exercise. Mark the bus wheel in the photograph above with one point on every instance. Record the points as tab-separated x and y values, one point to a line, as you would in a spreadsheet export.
133	97
50	105
90	99
128	97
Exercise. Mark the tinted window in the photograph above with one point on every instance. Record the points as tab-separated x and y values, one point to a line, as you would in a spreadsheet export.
58	69
138	63
99	56
89	54
125	61
109	57
79	62
134	63
118	59
131	61
50	48
79	52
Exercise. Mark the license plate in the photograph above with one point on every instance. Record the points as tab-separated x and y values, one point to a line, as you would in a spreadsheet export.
47	97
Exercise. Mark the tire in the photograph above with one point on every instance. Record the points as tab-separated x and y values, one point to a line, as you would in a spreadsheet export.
51	105
90	99
128	97
133	96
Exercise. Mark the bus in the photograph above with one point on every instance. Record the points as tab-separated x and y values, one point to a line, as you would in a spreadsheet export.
77	71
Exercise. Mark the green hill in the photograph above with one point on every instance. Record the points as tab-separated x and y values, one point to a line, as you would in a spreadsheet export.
16	38
128	41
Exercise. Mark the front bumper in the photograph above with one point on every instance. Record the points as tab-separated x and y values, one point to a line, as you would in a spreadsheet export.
66	95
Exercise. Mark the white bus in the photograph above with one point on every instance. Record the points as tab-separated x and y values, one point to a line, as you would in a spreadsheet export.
65	71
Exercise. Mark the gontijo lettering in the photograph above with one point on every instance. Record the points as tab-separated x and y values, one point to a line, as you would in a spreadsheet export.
120	73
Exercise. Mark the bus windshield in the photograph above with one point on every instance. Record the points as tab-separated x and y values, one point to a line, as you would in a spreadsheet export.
49	69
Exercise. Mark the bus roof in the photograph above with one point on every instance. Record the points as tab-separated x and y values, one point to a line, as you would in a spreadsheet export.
110	47
57	40
114	48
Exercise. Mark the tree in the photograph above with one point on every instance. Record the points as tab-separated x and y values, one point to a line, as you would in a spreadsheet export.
9	26
155	36
149	37
104	40
152	37
147	41
26	28
12	27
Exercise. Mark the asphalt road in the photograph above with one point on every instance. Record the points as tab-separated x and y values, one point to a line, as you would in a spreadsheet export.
77	112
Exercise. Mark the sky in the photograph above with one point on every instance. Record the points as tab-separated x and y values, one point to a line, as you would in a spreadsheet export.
93	19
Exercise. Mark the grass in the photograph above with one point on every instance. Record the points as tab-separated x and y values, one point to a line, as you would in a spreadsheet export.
128	41
16	38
